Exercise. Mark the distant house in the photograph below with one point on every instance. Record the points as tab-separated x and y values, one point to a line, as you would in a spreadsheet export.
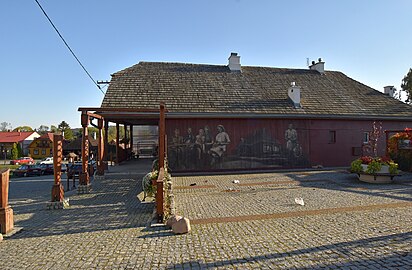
7	139
42	146
233	117
75	146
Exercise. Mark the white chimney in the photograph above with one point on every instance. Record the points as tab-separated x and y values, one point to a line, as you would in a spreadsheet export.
234	62
389	90
294	94
319	66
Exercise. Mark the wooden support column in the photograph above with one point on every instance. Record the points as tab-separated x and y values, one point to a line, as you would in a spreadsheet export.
57	189
160	179
100	150
117	143
106	145
84	179
131	140
6	213
126	150
161	154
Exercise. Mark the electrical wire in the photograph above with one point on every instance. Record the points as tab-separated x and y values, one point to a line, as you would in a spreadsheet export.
68	47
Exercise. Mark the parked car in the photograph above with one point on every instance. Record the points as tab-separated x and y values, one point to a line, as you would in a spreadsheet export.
28	170
48	160
49	168
22	160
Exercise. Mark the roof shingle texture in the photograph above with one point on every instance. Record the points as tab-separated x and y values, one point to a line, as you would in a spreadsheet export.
194	88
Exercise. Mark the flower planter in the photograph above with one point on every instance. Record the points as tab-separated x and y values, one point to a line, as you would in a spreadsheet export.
384	169
376	178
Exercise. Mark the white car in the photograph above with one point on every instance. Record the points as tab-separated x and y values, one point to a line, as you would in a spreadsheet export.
48	160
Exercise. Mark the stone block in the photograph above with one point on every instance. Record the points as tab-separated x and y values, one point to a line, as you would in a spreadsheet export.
172	220
181	226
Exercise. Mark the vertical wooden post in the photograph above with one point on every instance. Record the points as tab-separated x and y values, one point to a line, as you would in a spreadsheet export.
6	213
117	143
84	178
100	150
162	135
106	144
131	139
57	189
125	150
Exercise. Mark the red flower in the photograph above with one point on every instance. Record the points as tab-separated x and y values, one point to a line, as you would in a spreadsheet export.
366	159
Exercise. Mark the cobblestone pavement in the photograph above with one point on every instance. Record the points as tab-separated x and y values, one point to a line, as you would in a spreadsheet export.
254	224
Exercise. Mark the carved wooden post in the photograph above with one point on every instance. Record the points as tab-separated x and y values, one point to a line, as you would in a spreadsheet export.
84	179
162	135
100	150
117	143
126	150
106	144
57	189
6	213
160	195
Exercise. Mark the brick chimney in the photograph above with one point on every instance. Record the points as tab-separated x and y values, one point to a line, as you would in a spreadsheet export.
319	66
234	62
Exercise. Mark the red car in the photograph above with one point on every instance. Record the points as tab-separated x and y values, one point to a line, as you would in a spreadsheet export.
28	170
22	160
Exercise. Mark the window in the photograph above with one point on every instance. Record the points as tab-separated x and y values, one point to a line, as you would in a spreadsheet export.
366	137
332	136
43	152
35	151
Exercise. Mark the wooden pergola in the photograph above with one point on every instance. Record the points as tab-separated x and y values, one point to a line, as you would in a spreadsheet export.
128	117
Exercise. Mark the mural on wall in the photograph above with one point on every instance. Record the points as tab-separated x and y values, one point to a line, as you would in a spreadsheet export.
213	147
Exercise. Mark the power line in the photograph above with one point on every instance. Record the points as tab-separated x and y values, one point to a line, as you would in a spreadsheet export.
68	47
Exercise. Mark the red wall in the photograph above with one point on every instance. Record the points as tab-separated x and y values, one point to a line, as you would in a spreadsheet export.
313	138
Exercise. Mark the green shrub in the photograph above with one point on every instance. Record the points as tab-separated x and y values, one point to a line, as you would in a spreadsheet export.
374	167
356	166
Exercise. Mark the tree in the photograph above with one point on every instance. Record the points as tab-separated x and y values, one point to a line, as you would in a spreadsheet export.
14	151
4	126
23	128
53	129
407	86
43	129
65	128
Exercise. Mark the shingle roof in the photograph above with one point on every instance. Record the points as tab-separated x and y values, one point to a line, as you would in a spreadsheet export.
194	88
14	137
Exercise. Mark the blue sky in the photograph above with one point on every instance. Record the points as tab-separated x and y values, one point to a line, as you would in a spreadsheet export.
42	84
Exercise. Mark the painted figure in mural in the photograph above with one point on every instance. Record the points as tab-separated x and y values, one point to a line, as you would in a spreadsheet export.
189	138
208	139
200	144
219	147
175	149
291	137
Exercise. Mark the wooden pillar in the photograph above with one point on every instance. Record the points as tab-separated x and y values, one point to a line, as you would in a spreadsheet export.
162	136
160	195
6	213
84	178
126	150
57	189
117	143
131	139
100	150
106	144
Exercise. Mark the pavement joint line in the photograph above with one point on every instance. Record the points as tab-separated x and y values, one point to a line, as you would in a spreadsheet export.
281	182
315	212
194	187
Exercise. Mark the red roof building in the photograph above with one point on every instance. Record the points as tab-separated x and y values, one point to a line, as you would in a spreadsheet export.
7	139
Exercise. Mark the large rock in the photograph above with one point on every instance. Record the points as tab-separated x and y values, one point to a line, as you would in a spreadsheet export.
181	226
172	220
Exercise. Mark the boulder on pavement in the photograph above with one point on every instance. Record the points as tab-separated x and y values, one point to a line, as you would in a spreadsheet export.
181	226
172	220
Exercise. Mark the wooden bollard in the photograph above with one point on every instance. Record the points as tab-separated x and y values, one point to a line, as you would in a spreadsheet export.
6	213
